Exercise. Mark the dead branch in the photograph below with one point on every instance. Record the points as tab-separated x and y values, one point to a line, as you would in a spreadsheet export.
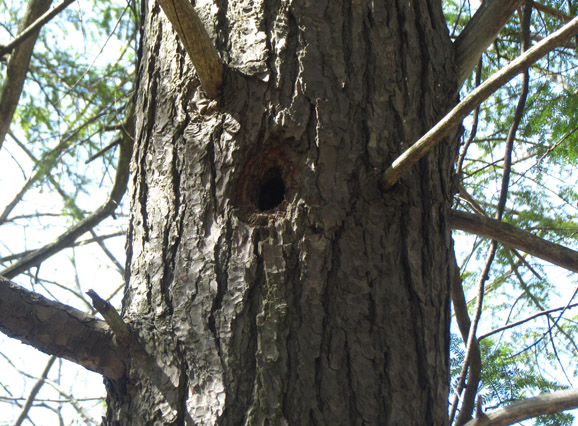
112	318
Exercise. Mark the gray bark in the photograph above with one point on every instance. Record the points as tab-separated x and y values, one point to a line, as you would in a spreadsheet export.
268	276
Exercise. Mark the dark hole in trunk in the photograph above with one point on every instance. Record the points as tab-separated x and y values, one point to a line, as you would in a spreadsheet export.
271	190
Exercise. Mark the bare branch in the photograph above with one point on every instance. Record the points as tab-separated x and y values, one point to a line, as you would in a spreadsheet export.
34	27
551	11
35	389
58	329
198	45
95	239
104	150
472	342
18	67
525	320
107	252
69	237
464	324
532	407
514	237
412	155
68	398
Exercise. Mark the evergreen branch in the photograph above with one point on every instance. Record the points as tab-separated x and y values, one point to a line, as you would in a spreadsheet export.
193	35
472	342
549	403
58	329
513	236
43	166
453	119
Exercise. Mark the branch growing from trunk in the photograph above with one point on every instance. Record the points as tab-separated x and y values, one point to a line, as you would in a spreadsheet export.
60	330
412	155
514	237
198	45
480	32
532	407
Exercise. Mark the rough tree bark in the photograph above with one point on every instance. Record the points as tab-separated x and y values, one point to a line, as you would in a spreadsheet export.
269	278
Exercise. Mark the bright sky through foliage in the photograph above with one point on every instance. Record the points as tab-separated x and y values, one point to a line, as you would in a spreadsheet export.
79	85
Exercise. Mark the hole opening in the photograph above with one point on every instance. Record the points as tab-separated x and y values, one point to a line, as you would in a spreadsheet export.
271	190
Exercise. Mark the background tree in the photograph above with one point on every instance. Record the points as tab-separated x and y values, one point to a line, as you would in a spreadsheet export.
276	272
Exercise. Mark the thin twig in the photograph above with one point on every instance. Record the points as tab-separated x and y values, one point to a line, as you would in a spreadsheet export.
525	320
103	150
32	396
473	131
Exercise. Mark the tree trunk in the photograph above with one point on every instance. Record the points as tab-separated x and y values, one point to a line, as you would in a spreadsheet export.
270	281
